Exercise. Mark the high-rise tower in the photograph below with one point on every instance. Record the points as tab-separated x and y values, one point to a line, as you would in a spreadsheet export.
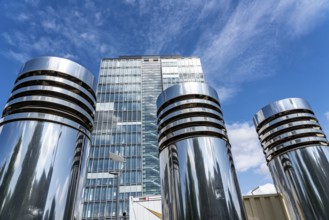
126	124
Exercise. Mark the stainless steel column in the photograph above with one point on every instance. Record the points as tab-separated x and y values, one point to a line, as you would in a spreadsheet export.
44	136
198	179
297	154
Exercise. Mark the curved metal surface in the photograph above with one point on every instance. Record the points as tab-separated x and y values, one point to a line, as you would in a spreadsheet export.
60	65
197	172
192	121
57	80
297	153
37	116
194	111
198	182
287	136
41	164
284	119
54	86
280	106
60	92
45	138
296	125
190	103
302	177
74	109
191	131
184	89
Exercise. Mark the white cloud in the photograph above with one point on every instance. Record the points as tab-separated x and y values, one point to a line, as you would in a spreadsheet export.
263	170
129	2
50	24
225	93
221	32
32	2
8	38
22	17
20	57
61	33
69	56
246	149
267	188
173	20
246	46
327	115
301	16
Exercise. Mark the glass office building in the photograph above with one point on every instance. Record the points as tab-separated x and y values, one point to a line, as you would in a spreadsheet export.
126	124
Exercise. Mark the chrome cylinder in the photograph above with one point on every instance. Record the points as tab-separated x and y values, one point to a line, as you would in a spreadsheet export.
297	154
45	135
198	179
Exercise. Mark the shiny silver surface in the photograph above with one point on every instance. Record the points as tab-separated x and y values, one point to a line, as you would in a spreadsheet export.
189	102
41	164
192	121
191	88
297	153
284	105
198	178
52	80
59	91
51	104
45	137
60	65
35	116
54	86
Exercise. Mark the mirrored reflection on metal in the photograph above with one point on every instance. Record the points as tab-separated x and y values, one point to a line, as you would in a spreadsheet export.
40	167
45	135
198	179
54	86
297	153
60	65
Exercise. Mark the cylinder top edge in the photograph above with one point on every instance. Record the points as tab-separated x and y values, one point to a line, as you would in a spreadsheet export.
62	65
278	106
184	89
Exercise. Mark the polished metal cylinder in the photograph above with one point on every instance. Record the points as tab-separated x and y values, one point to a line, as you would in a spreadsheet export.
297	154
45	135
198	179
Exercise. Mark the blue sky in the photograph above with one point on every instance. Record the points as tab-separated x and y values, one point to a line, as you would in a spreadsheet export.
253	52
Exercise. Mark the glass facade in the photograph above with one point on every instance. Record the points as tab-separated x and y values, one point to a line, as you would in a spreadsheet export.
126	124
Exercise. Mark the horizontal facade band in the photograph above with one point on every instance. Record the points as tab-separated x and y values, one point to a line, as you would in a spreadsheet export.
299	116
295	144
186	91
50	105
279	108
186	113
288	127
37	116
191	122
303	132
190	103
62	66
53	92
191	132
129	123
57	82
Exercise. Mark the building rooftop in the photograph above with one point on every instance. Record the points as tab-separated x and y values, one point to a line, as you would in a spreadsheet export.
149	56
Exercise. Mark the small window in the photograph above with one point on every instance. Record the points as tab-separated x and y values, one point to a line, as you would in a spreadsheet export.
146	60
